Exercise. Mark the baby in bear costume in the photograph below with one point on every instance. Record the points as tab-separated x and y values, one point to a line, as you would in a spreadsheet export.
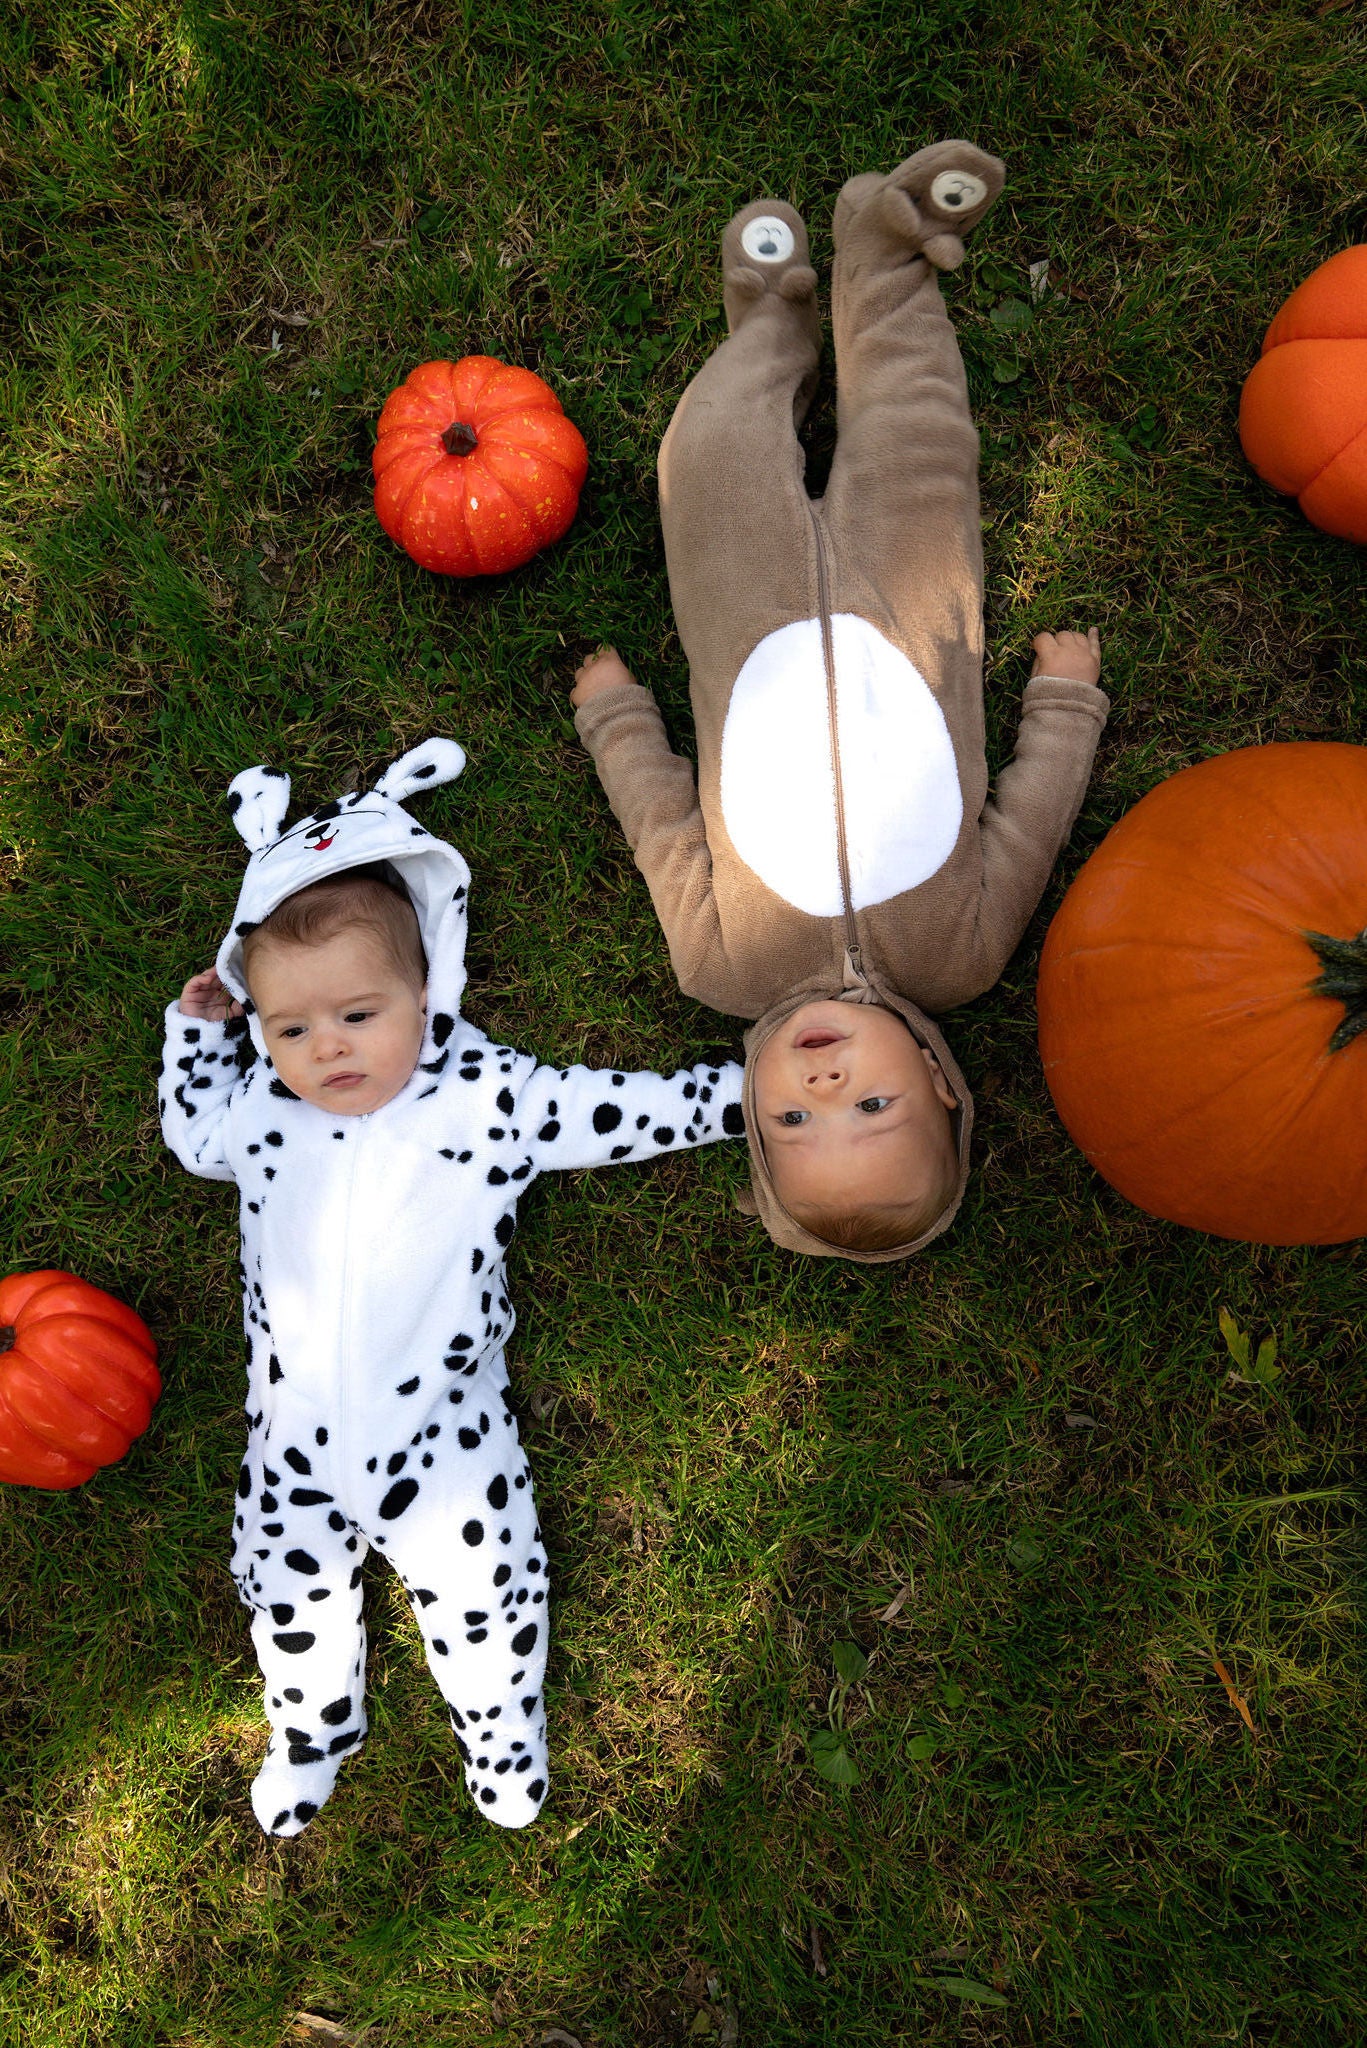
838	863
380	1144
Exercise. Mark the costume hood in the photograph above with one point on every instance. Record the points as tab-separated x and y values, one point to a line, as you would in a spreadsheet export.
353	831
762	1201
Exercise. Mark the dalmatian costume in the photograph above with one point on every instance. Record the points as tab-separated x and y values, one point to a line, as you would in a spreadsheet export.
377	1314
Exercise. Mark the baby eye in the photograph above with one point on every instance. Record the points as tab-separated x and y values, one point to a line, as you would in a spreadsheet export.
357	1016
873	1103
794	1116
292	1031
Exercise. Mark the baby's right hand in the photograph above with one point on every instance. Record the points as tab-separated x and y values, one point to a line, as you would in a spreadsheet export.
604	670
205	998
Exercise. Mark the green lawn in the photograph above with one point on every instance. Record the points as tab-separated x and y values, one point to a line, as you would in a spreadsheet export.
1020	1473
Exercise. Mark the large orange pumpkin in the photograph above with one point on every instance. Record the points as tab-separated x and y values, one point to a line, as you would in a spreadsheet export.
476	467
1203	993
1303	414
78	1376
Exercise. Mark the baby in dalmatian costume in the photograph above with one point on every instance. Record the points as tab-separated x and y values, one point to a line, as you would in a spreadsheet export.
378	1200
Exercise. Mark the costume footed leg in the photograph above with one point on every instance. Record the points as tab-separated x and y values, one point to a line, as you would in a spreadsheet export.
474	1567
735	513
297	1562
902	504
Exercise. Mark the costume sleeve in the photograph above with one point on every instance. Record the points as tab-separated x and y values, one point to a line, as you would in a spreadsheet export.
654	796
1038	795
583	1116
199	1072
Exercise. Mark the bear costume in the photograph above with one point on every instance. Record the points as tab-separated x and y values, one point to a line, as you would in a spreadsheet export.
839	840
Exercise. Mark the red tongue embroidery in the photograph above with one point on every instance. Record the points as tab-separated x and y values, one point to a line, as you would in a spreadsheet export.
322	845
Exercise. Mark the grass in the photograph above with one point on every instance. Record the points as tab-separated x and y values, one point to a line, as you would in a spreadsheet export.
231	228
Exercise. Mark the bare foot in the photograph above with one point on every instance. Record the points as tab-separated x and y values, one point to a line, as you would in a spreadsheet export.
1075	657
604	670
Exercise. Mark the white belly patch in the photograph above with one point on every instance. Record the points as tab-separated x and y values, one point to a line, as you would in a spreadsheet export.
903	804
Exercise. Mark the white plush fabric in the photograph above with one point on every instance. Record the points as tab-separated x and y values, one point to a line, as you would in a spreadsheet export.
377	1315
903	803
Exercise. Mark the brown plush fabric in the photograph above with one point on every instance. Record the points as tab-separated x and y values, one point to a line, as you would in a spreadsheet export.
944	877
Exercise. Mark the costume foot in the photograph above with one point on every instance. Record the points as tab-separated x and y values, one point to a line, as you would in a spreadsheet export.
286	1796
925	206
764	260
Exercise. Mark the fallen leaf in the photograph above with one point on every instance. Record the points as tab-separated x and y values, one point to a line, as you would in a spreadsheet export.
289	319
1239	1704
896	1604
558	2038
311	2026
1077	1418
818	1953
964	1987
1039	278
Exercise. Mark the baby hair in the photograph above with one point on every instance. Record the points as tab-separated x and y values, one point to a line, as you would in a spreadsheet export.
875	1230
364	897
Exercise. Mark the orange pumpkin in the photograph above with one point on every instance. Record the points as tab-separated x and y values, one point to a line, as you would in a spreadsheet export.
78	1377
1203	997
476	467
1303	414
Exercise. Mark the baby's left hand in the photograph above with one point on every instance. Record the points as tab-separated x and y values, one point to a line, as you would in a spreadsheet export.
1076	656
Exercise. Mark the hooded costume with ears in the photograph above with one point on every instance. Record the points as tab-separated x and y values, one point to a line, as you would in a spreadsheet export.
839	840
377	1313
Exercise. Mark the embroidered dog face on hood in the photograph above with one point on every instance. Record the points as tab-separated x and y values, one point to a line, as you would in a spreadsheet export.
357	830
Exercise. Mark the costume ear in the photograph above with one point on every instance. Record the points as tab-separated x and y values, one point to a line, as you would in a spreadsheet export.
745	1201
257	800
421	768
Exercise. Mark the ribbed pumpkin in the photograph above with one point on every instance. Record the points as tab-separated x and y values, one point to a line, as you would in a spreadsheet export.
78	1377
1303	414
476	466
1203	997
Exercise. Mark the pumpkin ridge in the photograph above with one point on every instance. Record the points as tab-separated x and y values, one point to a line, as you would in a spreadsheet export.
1337	456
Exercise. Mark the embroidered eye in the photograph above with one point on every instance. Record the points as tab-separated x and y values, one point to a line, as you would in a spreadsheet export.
794	1116
873	1103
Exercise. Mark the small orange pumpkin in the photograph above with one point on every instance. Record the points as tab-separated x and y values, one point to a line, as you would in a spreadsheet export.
476	467
1203	997
1303	413
78	1377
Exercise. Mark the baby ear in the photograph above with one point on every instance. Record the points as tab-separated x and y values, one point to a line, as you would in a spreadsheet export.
423	767
258	799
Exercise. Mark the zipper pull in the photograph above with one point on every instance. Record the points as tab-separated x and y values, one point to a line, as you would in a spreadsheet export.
854	964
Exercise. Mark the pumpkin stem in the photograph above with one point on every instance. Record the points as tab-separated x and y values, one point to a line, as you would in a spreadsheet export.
460	438
1345	979
7	1336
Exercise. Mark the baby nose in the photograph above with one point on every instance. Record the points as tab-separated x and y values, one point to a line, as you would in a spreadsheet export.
828	1075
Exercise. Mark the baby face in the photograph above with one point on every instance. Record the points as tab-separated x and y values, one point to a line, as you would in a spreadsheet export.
341	1023
852	1112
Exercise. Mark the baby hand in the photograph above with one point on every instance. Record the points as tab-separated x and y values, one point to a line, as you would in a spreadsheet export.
1074	655
204	996
604	670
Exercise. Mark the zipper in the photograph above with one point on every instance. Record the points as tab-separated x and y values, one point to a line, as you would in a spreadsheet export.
853	954
348	1297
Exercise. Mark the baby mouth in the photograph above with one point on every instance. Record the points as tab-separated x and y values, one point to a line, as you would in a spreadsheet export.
343	1080
812	1041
